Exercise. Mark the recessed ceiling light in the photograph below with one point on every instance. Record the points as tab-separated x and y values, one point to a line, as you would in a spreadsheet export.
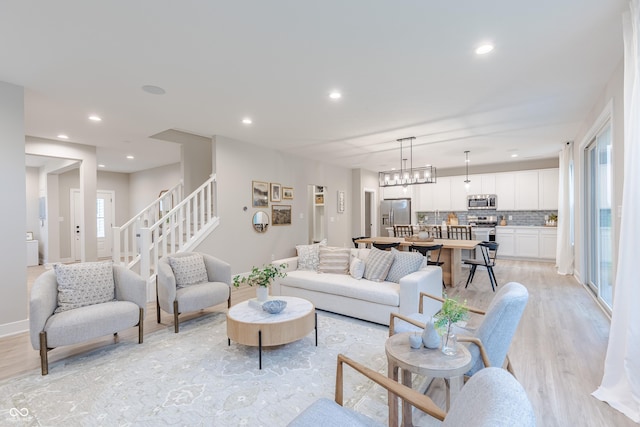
484	49
95	118
63	136
335	95
130	157
154	90
514	155
247	121
100	165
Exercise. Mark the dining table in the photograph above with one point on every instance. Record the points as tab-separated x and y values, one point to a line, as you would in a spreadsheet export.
451	254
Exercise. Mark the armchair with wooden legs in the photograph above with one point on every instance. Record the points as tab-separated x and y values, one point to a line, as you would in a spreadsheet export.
492	338
491	398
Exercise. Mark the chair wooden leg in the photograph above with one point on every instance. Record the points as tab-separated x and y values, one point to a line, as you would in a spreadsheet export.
175	317
44	359
141	326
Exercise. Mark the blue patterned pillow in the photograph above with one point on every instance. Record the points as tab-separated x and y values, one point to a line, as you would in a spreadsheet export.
189	270
84	284
404	263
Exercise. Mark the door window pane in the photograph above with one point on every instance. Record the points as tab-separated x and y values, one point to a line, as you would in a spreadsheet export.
100	217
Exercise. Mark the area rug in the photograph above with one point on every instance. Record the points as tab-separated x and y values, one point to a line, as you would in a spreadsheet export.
194	378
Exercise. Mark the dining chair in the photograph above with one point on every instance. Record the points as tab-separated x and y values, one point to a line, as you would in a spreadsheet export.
402	230
353	239
458	232
385	246
435	231
489	250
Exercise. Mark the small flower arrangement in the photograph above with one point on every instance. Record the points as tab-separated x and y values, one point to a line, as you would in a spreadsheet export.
451	312
261	276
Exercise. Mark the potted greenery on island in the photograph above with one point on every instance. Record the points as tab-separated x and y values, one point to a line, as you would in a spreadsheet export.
262	278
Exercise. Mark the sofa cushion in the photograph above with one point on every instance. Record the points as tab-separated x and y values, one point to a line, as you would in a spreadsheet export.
356	269
309	255
84	284
377	265
334	260
189	270
404	263
386	293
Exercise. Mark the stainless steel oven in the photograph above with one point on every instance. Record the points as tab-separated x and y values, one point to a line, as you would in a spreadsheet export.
482	201
483	227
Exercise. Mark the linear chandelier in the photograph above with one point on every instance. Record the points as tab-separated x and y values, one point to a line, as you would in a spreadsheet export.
407	175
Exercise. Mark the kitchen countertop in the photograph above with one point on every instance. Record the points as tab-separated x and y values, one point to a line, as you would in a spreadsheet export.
543	227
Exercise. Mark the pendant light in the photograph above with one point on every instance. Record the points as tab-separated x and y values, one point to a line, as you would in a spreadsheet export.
408	175
467	182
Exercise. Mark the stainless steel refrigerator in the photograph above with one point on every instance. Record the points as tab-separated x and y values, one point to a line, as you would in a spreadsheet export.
394	212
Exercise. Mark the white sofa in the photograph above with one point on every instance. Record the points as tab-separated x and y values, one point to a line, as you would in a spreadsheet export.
361	298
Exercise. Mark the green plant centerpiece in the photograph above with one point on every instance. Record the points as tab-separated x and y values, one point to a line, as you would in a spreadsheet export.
452	311
261	276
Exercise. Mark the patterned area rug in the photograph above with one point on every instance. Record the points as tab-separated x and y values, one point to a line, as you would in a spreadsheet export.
195	378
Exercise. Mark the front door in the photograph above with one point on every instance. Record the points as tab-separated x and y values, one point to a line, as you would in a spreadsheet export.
104	222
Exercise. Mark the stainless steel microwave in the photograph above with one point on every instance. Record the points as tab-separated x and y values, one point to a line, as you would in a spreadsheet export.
482	201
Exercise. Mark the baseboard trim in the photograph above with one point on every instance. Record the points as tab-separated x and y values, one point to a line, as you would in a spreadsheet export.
14	328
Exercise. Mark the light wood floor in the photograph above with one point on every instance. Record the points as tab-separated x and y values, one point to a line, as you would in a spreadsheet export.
558	351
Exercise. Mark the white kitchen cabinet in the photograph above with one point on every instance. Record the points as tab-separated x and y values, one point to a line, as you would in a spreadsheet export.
548	180
459	193
488	183
505	237
424	200
526	190
442	194
547	242
526	243
397	192
505	186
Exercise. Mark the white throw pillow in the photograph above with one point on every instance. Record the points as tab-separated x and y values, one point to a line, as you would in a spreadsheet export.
334	260
404	263
84	284
356	269
309	255
377	265
189	270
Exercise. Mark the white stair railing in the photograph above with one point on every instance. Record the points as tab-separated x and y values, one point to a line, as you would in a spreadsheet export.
180	229
126	238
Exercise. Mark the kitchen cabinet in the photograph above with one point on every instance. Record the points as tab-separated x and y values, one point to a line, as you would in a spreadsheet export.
442	194
424	200
505	184
488	183
547	241
505	237
526	194
548	180
459	193
526	241
398	192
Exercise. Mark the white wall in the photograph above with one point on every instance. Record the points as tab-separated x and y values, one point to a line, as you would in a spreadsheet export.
119	184
145	186
13	247
613	92
32	195
66	181
364	179
235	241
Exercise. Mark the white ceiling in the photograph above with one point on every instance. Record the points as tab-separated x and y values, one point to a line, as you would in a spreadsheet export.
405	68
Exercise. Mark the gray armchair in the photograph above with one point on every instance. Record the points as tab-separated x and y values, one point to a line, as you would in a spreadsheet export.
490	342
49	329
194	297
491	398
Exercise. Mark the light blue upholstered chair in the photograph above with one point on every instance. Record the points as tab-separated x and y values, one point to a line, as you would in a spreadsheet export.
214	290
490	342
491	398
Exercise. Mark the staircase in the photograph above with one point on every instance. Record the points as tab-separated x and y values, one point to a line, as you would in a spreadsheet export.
168	225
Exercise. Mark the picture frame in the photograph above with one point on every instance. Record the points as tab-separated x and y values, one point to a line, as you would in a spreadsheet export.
287	193
280	215
259	194
276	194
29	236
341	201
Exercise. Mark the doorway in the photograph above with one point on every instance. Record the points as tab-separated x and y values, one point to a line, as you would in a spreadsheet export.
598	197
105	212
369	213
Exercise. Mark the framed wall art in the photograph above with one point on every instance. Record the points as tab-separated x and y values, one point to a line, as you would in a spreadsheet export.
281	214
341	201
287	193
260	194
275	192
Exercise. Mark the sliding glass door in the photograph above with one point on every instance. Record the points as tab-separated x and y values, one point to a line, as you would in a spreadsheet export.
599	210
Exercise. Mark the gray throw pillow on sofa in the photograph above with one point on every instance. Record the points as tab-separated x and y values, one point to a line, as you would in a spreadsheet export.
84	284
404	263
377	265
334	260
189	270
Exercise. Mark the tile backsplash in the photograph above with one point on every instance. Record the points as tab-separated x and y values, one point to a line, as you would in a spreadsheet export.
518	217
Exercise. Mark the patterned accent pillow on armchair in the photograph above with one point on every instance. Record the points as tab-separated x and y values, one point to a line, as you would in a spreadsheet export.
189	270
84	284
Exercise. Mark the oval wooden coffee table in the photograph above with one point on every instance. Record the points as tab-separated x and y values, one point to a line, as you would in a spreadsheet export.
249	325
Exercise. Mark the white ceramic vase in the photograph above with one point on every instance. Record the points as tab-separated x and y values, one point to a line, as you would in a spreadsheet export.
262	293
